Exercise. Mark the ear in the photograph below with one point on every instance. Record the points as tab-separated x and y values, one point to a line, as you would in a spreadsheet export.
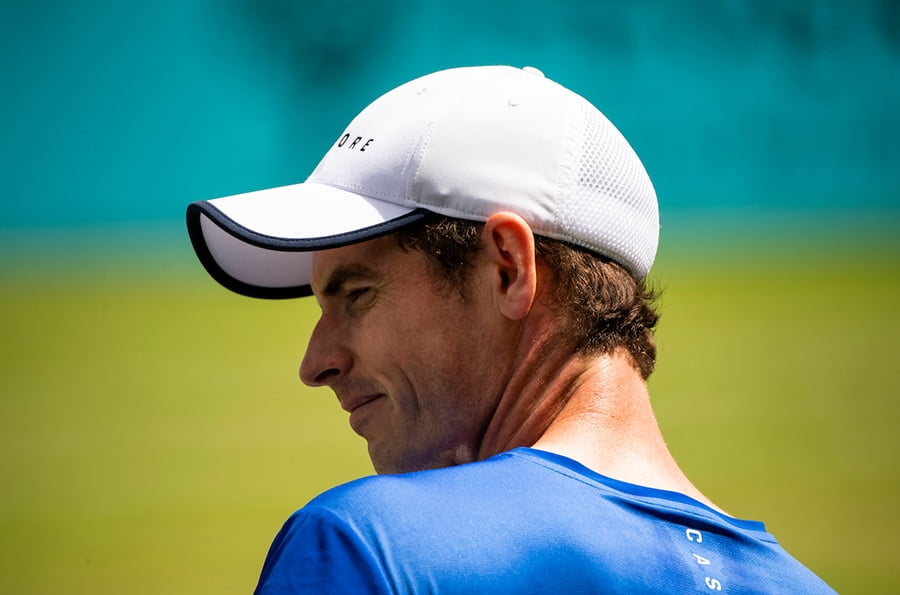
509	247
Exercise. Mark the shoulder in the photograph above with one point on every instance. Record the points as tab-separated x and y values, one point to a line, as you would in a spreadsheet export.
410	494
372	534
517	522
436	508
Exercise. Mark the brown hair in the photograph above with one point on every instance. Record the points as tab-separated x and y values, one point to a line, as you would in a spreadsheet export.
603	306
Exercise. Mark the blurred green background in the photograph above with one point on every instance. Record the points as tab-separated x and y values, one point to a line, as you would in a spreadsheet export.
154	434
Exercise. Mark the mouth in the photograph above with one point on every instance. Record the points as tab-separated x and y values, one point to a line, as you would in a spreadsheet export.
360	410
351	405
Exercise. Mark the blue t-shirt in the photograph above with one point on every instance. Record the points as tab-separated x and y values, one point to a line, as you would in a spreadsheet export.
524	521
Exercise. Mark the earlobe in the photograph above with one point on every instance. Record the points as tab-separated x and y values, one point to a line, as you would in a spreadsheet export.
509	243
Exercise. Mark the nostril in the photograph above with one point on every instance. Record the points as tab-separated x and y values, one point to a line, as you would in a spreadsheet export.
324	376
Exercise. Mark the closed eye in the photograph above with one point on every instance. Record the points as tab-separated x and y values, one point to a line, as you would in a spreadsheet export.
355	294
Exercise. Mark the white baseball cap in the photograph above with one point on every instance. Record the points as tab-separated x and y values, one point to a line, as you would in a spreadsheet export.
464	142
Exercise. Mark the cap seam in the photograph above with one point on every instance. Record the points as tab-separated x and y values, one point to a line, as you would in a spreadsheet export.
358	189
432	125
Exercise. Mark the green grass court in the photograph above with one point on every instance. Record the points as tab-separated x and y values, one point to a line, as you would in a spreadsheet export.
155	434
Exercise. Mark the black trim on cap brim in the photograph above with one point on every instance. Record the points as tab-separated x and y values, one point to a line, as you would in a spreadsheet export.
195	232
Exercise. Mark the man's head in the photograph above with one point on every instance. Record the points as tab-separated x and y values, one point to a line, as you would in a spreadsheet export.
467	226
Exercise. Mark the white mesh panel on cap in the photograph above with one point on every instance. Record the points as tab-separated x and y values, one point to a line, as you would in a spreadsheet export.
611	205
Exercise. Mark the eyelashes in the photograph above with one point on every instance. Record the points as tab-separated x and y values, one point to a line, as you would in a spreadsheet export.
353	296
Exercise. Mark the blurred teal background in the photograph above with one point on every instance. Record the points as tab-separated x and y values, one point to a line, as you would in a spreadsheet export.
123	111
153	432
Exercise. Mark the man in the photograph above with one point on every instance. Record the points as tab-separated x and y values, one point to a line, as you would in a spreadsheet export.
478	240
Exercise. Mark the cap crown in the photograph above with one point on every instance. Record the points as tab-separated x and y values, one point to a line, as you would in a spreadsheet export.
469	142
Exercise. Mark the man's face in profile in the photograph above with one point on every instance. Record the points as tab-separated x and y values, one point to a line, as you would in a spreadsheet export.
418	368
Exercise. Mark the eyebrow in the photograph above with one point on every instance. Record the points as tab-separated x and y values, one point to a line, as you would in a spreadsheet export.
345	273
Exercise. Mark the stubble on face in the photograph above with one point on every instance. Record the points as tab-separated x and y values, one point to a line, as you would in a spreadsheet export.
421	386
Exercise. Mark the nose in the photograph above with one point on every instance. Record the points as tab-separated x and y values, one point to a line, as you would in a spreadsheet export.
326	358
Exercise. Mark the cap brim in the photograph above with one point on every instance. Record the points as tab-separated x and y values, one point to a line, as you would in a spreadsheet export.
260	244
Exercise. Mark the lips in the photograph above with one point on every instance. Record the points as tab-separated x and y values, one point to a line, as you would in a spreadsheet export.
351	404
361	410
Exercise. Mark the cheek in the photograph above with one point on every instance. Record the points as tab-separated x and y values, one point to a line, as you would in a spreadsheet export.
459	364
433	354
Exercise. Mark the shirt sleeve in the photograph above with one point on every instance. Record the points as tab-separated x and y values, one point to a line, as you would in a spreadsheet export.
318	552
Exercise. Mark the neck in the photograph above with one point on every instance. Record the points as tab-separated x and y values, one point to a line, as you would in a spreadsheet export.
594	410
